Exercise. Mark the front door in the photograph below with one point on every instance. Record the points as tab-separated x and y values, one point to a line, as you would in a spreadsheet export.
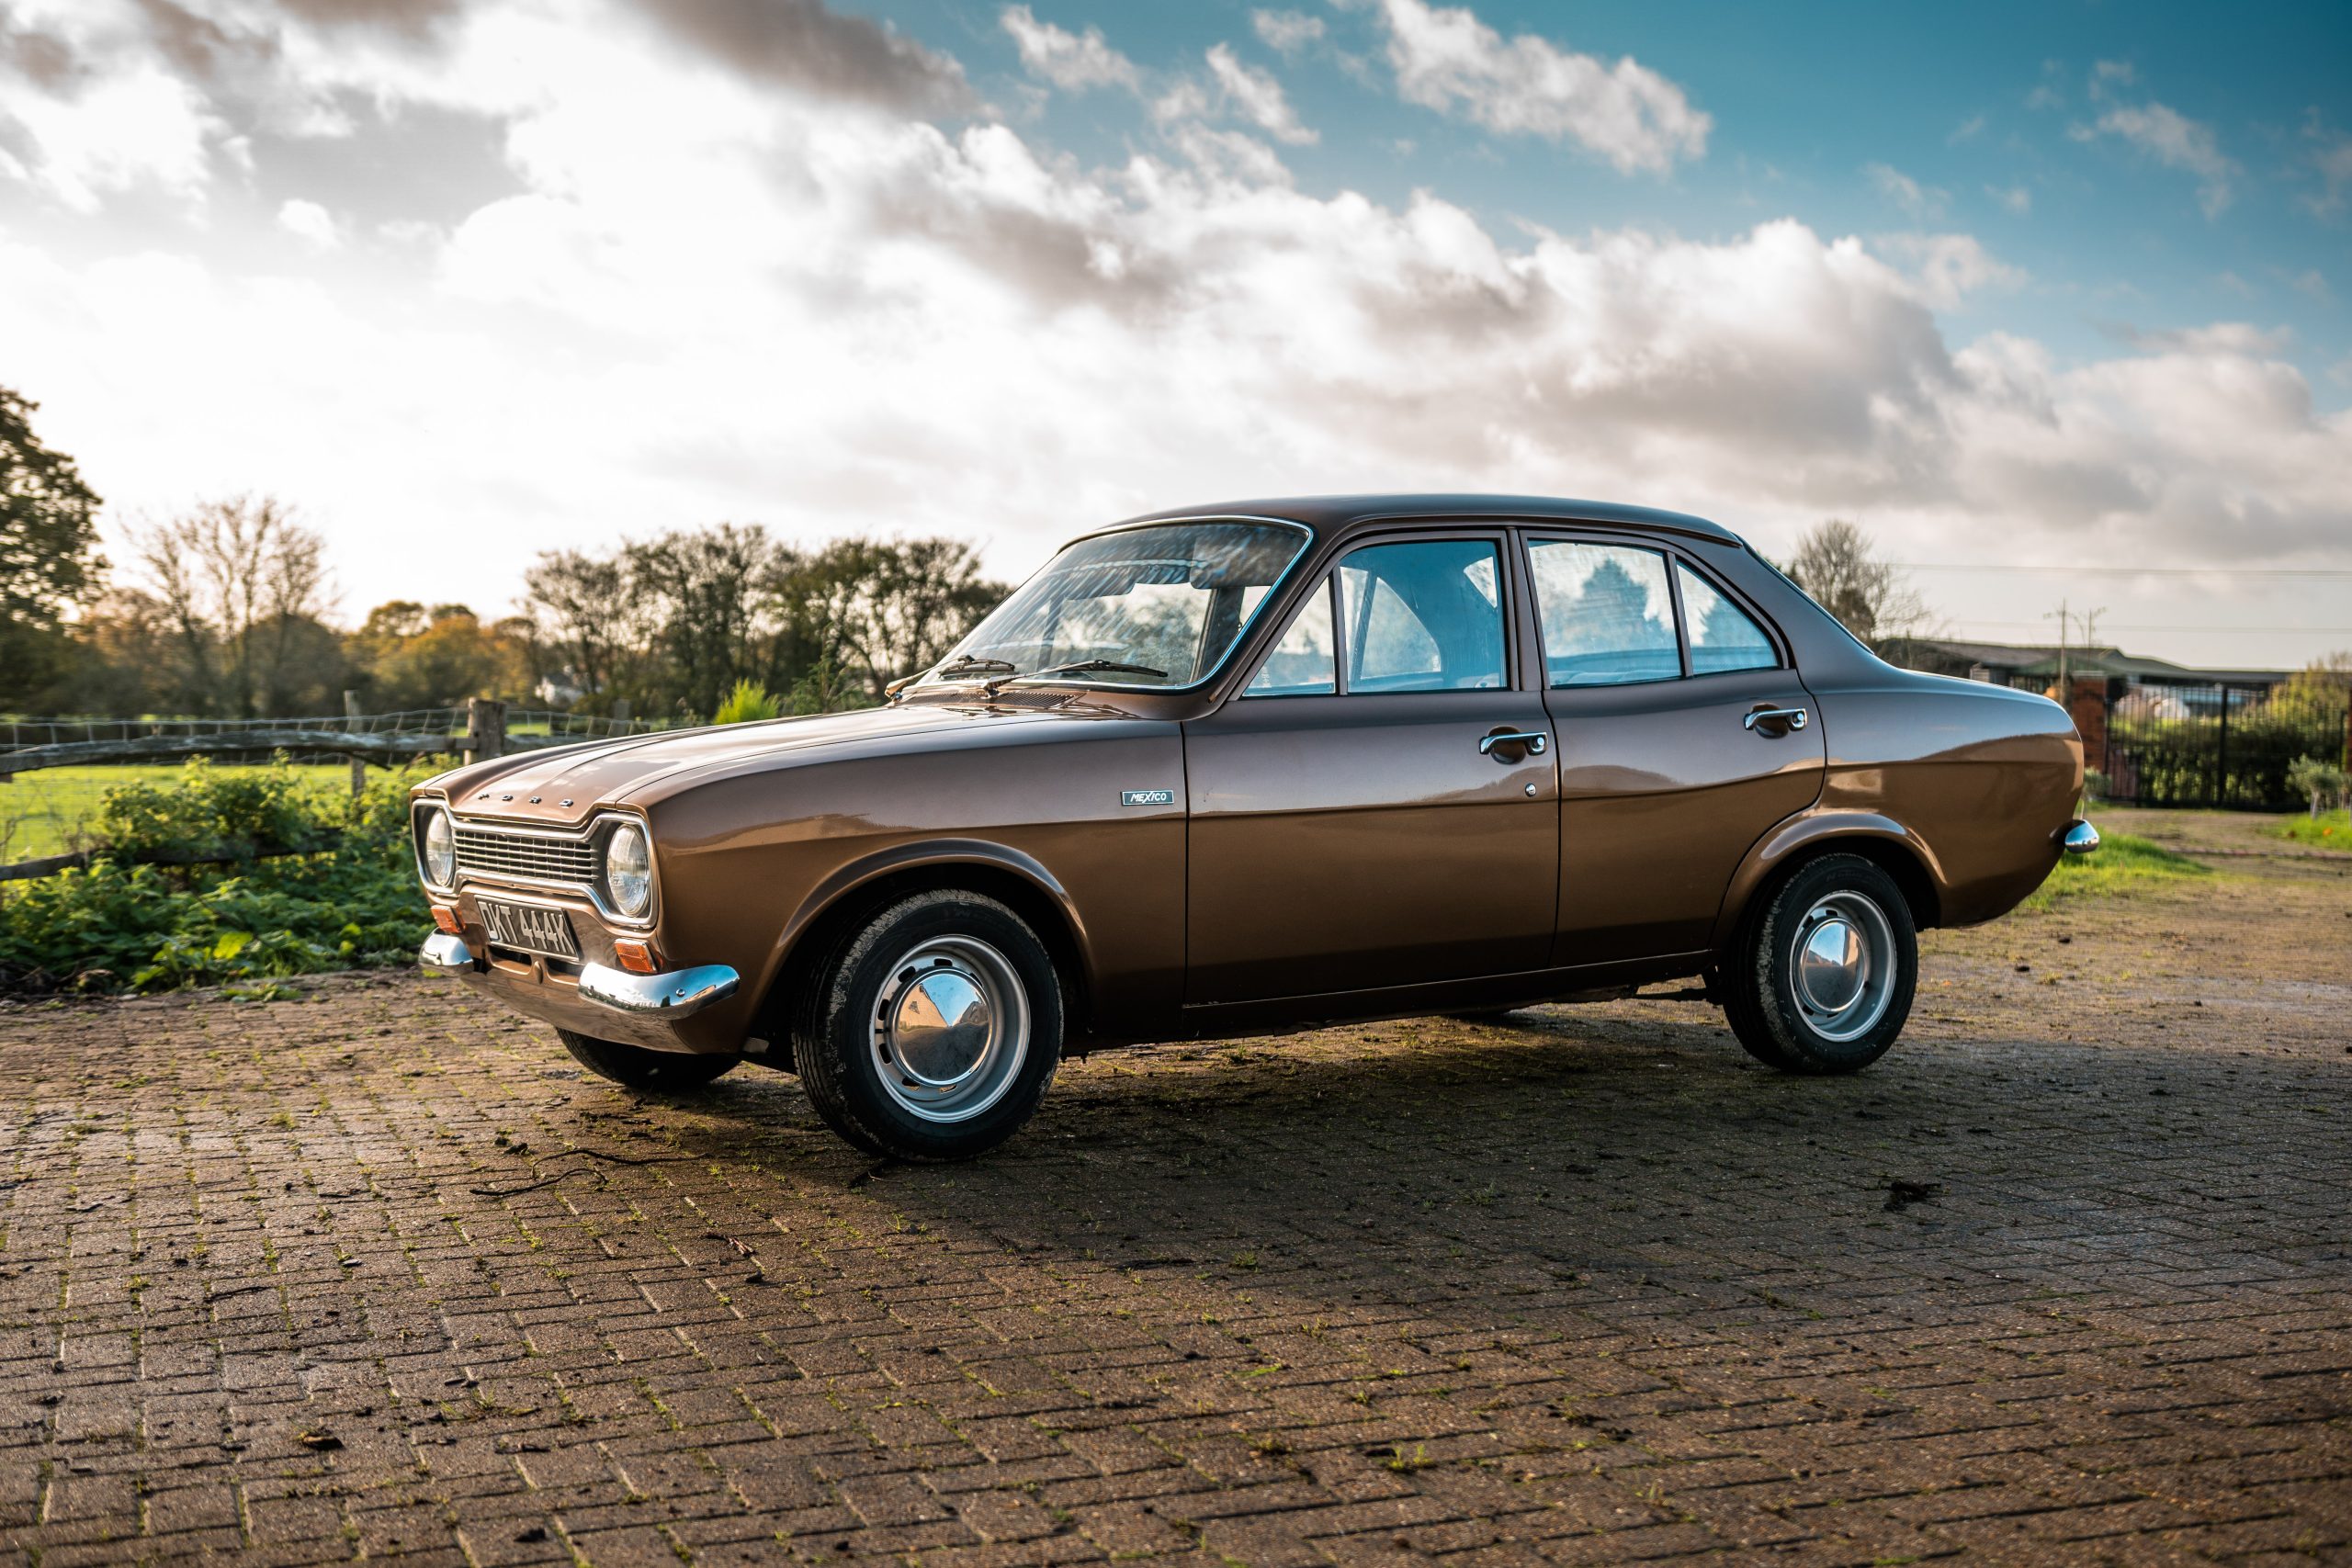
1358	817
1684	737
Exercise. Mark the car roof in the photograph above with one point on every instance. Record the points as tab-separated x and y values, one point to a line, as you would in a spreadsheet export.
1328	514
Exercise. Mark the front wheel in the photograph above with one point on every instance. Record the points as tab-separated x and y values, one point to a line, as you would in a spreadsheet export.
633	1067
1821	977
933	1031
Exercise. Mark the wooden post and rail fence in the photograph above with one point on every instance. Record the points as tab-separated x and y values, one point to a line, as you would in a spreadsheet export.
483	728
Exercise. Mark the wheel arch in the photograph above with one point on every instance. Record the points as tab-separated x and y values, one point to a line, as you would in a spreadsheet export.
1890	845
844	901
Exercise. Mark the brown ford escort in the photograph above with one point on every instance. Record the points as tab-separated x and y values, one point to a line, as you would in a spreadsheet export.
1238	769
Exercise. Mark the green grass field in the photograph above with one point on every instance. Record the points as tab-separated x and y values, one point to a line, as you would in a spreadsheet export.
2328	830
2122	864
45	811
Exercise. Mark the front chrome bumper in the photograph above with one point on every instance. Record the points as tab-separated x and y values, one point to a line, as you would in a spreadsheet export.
638	1009
680	993
2078	838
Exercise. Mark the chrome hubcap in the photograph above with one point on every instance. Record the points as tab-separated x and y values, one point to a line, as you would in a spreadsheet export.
950	1029
1841	965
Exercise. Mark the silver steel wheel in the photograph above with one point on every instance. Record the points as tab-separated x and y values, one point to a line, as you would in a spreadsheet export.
950	1030
1842	966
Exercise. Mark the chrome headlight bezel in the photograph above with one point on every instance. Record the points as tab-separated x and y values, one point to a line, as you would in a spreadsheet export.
434	818
632	901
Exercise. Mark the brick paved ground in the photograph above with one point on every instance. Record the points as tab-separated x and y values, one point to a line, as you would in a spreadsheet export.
380	1274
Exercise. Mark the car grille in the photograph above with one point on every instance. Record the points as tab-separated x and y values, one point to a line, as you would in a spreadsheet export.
485	851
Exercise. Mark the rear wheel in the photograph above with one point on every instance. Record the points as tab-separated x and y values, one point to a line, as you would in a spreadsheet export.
1821	977
932	1033
633	1067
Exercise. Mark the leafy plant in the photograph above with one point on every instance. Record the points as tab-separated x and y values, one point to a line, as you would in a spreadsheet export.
748	702
124	925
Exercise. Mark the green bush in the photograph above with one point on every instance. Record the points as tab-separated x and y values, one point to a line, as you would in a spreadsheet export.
124	925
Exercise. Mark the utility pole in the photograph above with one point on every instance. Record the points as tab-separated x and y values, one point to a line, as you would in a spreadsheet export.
2088	621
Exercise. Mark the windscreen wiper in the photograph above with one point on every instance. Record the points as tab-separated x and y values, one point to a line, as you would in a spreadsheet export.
963	663
1078	667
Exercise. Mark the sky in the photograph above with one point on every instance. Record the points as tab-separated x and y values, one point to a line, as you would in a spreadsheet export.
2051	299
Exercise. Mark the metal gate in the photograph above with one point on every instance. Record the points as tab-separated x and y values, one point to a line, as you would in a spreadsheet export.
2213	746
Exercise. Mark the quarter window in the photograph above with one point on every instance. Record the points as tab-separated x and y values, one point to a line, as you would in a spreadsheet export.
1423	616
1302	664
1608	613
1723	637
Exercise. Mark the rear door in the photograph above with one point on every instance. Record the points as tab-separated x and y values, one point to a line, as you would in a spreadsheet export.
1684	737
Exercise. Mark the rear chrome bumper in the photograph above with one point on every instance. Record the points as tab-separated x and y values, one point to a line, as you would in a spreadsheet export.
608	1003
2078	838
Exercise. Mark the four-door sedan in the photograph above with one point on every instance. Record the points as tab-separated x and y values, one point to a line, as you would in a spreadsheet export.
1245	768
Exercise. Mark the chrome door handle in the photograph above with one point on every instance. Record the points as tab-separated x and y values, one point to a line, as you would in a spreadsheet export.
1535	741
1796	718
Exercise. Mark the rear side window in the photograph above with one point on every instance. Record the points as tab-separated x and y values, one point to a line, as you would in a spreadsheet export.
1608	613
1723	637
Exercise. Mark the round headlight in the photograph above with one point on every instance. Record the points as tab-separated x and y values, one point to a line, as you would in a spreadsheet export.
440	849
629	870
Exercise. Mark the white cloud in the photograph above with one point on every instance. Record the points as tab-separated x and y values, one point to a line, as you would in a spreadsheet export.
1918	200
1944	270
2308	283
1287	31
2331	160
714	297
311	223
2015	199
1072	61
1257	96
136	125
2169	137
1446	58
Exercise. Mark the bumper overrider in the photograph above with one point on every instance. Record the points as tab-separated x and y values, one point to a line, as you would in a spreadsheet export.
608	1003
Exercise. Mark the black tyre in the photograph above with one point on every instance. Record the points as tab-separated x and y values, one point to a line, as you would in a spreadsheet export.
1820	977
932	1032
633	1067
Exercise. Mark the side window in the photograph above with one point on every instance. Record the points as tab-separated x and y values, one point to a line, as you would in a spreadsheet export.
1425	617
1607	615
1301	664
1722	635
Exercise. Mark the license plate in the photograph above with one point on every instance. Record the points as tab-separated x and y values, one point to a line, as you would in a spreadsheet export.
534	927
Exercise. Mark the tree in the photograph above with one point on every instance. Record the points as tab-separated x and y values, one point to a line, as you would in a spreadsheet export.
896	606
245	585
709	593
585	620
48	548
417	658
2318	693
1836	565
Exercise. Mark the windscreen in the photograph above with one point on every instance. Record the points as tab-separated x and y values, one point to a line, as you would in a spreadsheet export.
1160	605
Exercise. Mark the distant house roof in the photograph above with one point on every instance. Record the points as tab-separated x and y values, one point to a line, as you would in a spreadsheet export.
2041	659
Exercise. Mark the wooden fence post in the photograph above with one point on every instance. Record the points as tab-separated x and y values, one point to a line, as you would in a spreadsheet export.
485	729
359	764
